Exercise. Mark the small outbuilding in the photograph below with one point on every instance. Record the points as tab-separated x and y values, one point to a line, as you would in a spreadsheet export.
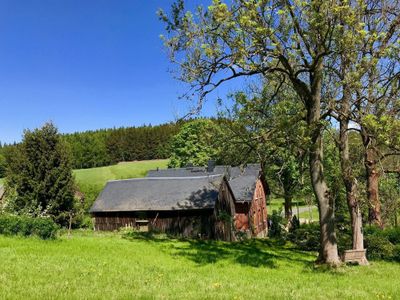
217	202
198	206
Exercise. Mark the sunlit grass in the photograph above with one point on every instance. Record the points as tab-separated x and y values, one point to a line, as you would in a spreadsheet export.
105	265
299	208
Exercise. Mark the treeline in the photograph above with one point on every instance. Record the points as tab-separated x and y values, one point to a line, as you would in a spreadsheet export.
108	146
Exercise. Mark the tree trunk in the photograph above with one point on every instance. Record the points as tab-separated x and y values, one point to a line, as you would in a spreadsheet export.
288	206
372	172
311	96
356	227
328	250
373	191
349	180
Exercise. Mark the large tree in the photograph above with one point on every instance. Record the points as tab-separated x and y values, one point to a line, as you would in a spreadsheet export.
39	178
245	38
369	81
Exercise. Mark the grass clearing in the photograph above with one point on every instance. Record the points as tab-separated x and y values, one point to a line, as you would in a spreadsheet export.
299	208
99	176
92	181
105	265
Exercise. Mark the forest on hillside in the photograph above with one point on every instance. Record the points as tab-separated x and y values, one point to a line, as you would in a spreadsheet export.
103	147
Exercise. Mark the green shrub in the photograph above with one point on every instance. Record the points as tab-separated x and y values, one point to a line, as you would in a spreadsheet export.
27	226
396	253
277	224
378	247
306	237
393	235
372	230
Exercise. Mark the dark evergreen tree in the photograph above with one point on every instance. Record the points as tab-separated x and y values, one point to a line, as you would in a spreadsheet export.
39	177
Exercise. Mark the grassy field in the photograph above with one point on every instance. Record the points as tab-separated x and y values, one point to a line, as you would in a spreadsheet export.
92	181
278	205
99	176
93	266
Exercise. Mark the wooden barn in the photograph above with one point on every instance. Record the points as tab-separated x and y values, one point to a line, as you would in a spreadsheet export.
216	203
188	206
247	188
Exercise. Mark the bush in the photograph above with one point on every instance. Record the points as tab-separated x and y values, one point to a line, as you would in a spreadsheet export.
393	235
27	226
306	237
396	253
276	228
378	247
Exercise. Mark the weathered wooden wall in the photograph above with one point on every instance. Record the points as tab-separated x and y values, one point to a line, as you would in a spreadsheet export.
252	216
242	220
258	212
193	223
224	213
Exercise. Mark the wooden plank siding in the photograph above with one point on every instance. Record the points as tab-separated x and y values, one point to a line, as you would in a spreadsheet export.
224	214
251	217
181	223
258	212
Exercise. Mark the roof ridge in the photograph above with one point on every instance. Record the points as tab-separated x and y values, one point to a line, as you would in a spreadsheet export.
165	178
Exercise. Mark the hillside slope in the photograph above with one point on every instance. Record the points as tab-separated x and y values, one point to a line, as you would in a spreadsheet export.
91	181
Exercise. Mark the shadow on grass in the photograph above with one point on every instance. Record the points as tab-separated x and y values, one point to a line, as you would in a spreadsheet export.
253	252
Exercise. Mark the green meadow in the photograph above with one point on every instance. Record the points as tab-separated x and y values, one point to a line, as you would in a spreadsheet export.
99	176
92	181
90	265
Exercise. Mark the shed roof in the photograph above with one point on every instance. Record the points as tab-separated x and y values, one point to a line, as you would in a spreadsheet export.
188	172
241	180
157	194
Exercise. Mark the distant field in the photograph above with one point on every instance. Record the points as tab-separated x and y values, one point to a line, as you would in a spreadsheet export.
92	181
106	266
99	176
304	213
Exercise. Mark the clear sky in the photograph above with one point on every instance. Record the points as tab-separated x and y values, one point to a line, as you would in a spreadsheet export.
85	64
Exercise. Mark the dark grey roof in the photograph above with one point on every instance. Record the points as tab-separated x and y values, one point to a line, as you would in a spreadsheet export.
243	187
155	194
187	172
241	180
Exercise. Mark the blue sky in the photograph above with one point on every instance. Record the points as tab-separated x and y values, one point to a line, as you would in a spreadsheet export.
85	64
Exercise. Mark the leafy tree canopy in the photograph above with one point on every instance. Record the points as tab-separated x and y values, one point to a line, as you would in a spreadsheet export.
195	144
